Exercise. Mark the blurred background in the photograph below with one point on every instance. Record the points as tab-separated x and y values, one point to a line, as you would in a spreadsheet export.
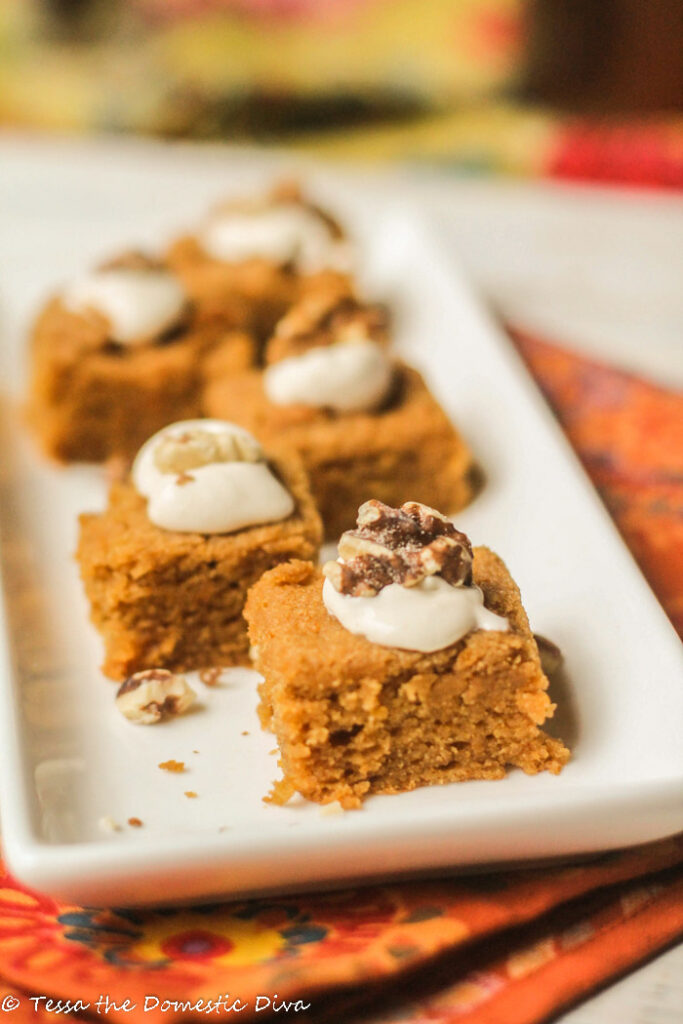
587	89
495	116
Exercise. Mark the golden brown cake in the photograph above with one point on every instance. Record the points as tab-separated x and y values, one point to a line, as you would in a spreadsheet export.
173	598
92	396
354	717
257	256
403	445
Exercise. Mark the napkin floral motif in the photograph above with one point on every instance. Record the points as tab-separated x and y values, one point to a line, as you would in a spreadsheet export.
300	946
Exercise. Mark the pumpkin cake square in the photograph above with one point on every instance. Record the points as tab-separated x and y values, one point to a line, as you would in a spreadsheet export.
255	256
362	421
120	353
407	662
167	566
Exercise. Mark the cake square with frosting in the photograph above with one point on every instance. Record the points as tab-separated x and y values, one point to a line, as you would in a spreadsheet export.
355	716
262	253
363	422
167	565
121	352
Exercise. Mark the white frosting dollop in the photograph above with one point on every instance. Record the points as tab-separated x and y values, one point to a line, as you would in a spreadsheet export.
220	497
429	616
349	376
139	304
281	233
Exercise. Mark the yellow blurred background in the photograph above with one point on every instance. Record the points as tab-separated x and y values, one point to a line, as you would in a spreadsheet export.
578	88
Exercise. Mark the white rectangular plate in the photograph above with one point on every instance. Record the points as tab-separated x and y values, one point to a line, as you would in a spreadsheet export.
68	759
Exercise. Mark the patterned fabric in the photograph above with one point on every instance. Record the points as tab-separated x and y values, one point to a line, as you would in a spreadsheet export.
631	153
221	67
510	947
629	435
314	948
427	81
502	137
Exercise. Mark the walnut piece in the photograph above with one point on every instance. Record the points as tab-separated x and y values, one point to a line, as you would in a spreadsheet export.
176	453
399	545
329	315
147	697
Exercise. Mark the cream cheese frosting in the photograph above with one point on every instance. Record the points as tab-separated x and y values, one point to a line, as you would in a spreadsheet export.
138	303
426	617
404	579
208	476
349	376
280	232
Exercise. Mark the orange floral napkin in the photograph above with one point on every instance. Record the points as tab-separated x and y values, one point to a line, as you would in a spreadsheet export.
508	947
629	436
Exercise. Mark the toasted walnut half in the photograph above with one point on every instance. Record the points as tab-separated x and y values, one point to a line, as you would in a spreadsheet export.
149	696
328	315
399	545
176	453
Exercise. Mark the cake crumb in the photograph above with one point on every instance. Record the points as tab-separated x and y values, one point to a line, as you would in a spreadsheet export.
190	793
331	810
281	792
195	751
273	751
107	824
245	732
135	822
211	676
172	766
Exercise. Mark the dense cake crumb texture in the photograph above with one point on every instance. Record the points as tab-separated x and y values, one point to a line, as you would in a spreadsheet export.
172	600
90	399
406	449
353	718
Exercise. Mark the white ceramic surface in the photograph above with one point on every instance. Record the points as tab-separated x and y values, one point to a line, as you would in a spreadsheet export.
67	758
